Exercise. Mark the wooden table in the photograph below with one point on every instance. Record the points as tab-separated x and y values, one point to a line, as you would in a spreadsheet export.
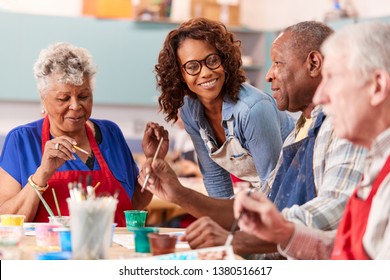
29	248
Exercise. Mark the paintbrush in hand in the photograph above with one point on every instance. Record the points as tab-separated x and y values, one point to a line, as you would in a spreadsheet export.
234	228
154	158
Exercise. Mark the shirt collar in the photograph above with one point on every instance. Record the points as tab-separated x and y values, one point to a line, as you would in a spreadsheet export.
381	145
302	120
376	158
227	109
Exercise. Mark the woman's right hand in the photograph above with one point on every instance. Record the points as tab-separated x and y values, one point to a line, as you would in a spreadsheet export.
162	182
56	152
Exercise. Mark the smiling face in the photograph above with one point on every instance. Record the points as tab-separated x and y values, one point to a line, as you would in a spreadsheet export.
68	106
207	85
293	87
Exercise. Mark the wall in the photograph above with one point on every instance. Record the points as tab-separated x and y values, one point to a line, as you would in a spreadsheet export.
44	7
278	14
260	14
125	53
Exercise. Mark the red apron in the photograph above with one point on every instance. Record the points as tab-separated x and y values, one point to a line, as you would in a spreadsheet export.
60	179
349	239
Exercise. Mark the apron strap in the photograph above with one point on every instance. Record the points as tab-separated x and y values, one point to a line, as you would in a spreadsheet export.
230	127
209	144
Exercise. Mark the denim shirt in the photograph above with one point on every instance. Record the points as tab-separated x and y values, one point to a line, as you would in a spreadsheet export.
258	124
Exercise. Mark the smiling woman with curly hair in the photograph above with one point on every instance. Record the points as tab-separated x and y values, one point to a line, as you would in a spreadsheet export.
236	128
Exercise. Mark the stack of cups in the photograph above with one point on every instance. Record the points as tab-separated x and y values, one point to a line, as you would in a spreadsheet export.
91	226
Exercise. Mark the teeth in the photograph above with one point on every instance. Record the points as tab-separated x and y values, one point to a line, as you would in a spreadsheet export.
209	83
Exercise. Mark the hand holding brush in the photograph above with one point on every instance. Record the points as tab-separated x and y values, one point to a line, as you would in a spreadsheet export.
154	158
235	223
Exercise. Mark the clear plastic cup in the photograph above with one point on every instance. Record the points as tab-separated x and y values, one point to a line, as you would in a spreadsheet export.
135	218
47	238
91	226
10	239
113	232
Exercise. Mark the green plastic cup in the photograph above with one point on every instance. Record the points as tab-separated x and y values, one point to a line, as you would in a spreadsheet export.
141	238
135	219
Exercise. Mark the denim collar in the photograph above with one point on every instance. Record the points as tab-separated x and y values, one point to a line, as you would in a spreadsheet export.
227	110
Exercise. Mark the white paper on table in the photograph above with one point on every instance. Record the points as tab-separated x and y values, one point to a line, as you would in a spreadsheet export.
127	240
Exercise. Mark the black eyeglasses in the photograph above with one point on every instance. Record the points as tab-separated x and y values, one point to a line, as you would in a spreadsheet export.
193	67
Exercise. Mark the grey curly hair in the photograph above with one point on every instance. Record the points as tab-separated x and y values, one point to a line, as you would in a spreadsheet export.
72	64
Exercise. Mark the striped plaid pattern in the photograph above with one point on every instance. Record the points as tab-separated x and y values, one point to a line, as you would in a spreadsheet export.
337	167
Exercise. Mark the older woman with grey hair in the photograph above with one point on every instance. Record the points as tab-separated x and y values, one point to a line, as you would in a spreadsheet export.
67	144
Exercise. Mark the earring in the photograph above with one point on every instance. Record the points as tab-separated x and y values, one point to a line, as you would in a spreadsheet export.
43	110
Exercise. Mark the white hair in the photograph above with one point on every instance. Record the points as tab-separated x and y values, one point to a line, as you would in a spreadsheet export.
365	46
72	64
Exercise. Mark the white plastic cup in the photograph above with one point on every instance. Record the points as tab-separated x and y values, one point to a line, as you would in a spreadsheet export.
46	238
91	227
10	239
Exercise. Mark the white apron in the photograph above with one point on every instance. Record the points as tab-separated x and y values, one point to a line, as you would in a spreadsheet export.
232	157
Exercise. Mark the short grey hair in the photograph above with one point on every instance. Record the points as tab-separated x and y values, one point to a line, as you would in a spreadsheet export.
72	64
308	36
365	45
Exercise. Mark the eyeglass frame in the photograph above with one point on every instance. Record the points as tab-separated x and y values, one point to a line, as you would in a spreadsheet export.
201	62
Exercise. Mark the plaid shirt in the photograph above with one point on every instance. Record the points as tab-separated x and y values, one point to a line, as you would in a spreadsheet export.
337	168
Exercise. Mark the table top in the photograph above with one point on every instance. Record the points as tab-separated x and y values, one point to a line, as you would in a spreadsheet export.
29	249
123	248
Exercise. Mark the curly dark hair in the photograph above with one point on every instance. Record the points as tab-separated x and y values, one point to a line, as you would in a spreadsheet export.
168	70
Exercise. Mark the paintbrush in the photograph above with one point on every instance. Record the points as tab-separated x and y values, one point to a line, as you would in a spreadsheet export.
47	207
80	149
154	158
56	202
234	228
96	186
